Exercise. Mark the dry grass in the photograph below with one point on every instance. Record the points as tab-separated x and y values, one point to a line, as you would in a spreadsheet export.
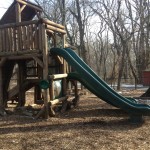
93	125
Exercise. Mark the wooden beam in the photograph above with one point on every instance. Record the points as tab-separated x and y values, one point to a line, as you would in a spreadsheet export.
49	31
56	101
22	8
56	29
11	25
53	24
5	54
59	59
38	61
58	76
26	56
29	4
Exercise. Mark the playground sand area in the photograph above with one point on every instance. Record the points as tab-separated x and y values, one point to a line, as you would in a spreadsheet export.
92	125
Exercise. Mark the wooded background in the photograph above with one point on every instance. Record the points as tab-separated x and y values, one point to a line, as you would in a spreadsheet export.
112	36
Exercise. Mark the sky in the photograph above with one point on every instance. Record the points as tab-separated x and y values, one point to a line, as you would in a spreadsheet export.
4	4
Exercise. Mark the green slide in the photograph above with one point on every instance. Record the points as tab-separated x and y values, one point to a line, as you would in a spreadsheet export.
92	82
79	60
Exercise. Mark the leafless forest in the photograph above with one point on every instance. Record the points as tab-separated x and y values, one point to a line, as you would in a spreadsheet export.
112	36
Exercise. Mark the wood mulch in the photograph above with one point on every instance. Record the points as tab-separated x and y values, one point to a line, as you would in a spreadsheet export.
92	125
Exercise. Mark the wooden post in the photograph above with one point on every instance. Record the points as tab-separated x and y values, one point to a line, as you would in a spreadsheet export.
21	77
18	12
45	69
3	39
76	99
64	80
64	67
18	19
52	90
2	107
40	71
37	93
1	88
3	60
40	37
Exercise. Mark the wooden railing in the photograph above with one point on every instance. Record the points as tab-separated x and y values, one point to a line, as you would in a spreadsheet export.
19	37
26	37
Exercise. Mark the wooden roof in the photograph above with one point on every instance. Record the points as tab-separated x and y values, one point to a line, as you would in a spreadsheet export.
28	12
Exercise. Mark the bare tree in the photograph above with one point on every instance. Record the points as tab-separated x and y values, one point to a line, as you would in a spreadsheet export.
123	28
119	47
81	14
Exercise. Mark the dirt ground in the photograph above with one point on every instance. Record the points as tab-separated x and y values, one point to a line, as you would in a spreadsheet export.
94	125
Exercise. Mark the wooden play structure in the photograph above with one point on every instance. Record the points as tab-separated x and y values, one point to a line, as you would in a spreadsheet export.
25	40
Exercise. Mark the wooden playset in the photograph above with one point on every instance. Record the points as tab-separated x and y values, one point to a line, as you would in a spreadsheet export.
25	40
